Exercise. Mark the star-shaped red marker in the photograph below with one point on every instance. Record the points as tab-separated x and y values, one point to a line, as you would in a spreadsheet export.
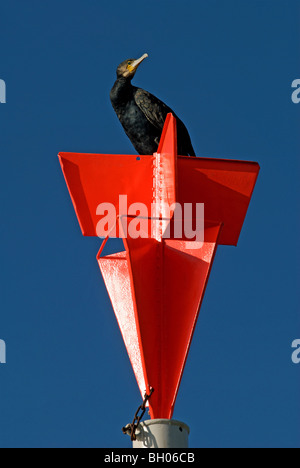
157	284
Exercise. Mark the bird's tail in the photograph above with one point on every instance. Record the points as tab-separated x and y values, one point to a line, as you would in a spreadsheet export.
191	151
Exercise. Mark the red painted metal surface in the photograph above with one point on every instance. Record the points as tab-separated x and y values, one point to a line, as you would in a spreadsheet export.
157	285
224	186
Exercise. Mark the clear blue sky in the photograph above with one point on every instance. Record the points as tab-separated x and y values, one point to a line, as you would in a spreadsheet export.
226	68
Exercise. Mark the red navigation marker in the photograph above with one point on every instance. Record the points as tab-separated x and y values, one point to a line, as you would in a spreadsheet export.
157	284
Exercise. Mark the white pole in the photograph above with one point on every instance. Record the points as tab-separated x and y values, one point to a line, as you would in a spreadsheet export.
162	433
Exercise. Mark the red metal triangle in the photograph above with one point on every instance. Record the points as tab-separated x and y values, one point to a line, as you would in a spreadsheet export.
156	289
157	285
115	271
169	281
224	186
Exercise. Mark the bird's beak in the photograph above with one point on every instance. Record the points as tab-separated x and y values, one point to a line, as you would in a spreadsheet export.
133	66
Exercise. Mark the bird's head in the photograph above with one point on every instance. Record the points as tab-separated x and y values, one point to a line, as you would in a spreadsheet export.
128	68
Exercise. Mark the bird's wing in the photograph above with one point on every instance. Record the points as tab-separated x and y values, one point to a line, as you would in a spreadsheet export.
154	110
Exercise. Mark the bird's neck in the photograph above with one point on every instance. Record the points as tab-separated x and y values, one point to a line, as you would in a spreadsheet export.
121	91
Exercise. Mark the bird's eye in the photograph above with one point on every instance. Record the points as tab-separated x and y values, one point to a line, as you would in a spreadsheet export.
129	63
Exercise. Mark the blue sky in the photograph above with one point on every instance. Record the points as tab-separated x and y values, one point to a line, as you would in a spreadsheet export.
226	68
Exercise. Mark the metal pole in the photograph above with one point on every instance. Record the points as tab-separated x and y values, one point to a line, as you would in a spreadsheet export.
162	433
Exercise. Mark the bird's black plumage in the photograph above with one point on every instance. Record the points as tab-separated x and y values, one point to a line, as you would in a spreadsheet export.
142	115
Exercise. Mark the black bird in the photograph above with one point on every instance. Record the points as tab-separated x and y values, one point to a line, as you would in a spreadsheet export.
142	114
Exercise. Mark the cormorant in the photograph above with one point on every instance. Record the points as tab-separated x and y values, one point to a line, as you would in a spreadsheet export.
142	114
